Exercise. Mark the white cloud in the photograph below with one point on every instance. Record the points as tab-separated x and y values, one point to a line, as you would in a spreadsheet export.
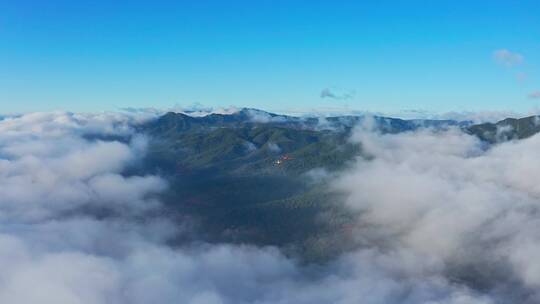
47	166
259	116
507	58
441	197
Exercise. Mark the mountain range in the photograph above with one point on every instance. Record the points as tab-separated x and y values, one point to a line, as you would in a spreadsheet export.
258	177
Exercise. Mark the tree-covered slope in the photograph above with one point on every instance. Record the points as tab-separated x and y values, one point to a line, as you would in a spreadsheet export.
247	177
507	129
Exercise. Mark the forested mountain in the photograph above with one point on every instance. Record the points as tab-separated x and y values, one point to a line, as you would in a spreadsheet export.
258	177
507	129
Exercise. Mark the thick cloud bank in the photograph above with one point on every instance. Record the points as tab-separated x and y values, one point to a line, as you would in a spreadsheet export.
461	212
441	221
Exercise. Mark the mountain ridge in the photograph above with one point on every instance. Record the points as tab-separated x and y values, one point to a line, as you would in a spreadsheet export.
251	116
506	129
245	176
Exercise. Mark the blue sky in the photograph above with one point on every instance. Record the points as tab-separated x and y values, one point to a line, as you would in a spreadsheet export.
383	56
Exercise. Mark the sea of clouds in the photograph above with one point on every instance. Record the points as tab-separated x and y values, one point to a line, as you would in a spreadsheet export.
442	219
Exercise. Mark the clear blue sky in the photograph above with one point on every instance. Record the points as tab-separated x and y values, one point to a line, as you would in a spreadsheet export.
373	55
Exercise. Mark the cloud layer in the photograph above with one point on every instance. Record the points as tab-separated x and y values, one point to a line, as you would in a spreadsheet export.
468	214
442	220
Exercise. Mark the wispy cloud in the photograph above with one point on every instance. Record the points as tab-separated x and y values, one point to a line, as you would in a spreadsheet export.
534	95
335	93
522	76
507	58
